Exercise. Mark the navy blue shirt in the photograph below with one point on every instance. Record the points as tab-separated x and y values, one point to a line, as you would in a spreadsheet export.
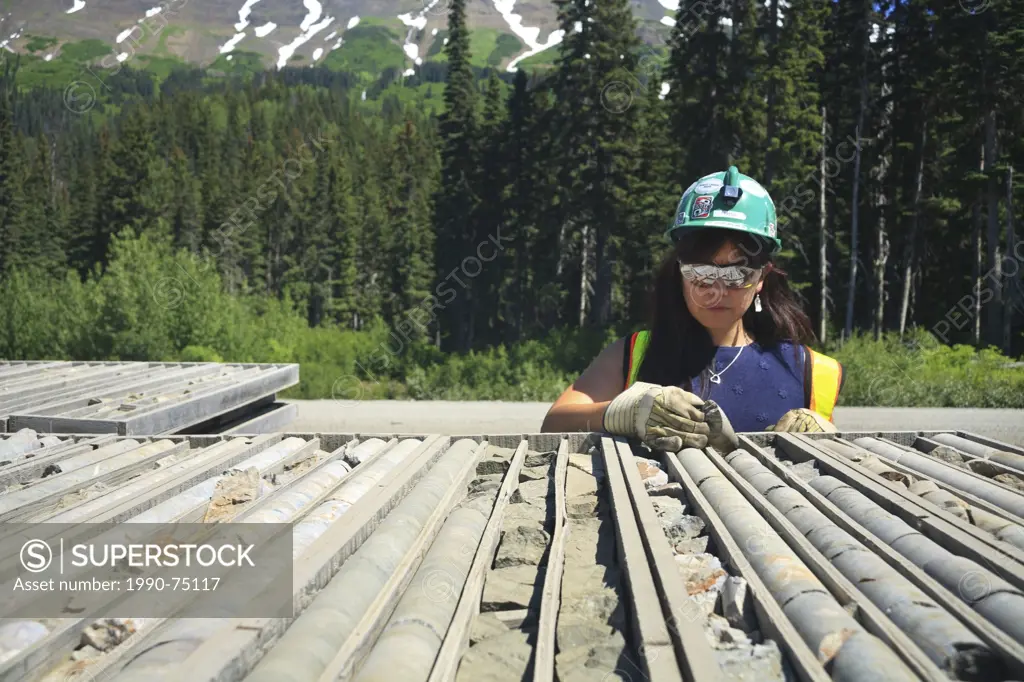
760	387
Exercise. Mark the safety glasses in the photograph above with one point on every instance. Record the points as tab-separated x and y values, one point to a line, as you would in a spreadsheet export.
730	276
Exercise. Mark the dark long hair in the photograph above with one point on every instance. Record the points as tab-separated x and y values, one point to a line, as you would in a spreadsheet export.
680	347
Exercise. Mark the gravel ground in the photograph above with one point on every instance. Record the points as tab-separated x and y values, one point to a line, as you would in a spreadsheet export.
492	417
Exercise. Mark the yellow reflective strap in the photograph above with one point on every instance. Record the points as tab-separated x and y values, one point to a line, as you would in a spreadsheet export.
638	346
826	378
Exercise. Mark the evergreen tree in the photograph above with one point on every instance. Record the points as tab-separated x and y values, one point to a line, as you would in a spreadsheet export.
16	243
344	235
487	289
697	74
457	199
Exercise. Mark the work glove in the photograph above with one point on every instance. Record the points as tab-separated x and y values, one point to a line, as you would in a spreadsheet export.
663	417
803	421
722	437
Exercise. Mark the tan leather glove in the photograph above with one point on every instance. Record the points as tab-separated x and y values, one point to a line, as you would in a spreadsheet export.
663	417
722	437
803	420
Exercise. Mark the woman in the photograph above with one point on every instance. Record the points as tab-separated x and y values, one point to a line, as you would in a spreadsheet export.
726	350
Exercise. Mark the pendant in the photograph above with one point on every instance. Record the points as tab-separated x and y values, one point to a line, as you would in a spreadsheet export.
716	379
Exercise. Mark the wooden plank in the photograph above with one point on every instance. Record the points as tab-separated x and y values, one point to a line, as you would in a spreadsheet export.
866	612
111	478
544	652
34	467
773	622
1011	651
651	632
236	648
990	442
142	638
926	445
366	632
456	640
938	525
691	644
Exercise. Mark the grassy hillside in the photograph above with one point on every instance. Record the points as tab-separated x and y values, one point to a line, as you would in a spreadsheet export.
368	49
487	47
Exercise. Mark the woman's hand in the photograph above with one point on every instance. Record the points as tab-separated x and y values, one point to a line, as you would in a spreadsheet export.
803	421
722	437
663	417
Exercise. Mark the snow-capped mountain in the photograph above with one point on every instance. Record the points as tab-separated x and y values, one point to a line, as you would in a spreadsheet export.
296	32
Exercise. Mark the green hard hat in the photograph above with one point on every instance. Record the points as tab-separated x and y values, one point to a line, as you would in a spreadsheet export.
727	200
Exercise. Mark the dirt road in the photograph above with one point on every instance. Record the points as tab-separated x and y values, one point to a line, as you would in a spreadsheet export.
501	417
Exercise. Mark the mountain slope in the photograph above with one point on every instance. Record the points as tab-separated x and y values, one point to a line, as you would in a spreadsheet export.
293	31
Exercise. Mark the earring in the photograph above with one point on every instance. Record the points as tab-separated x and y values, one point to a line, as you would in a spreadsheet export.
757	303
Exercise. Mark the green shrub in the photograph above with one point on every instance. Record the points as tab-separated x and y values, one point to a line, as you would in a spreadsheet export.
158	304
922	372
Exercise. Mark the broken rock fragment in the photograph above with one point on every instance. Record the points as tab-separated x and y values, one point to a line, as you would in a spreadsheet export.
235	488
669	490
497	659
521	545
700	572
515	587
651	473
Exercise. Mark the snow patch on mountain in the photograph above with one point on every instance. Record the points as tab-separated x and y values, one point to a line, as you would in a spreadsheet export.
353	22
672	5
528	34
243	14
668	21
78	4
264	30
417	23
232	43
313	11
330	36
317	53
309	30
153	12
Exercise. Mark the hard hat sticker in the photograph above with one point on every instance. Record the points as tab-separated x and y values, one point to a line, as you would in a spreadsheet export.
771	229
709	185
701	207
735	215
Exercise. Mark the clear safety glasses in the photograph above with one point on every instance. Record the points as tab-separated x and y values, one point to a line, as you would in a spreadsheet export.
730	276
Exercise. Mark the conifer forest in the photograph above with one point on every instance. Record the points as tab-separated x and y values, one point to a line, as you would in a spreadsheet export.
487	240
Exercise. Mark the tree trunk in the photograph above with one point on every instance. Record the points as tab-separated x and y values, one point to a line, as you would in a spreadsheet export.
772	122
881	247
855	210
1010	300
976	256
881	258
823	236
910	252
601	308
994	307
584	274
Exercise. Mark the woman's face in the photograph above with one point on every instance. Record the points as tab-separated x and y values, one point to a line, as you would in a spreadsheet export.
717	306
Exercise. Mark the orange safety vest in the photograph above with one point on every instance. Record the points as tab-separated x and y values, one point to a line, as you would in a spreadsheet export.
823	376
